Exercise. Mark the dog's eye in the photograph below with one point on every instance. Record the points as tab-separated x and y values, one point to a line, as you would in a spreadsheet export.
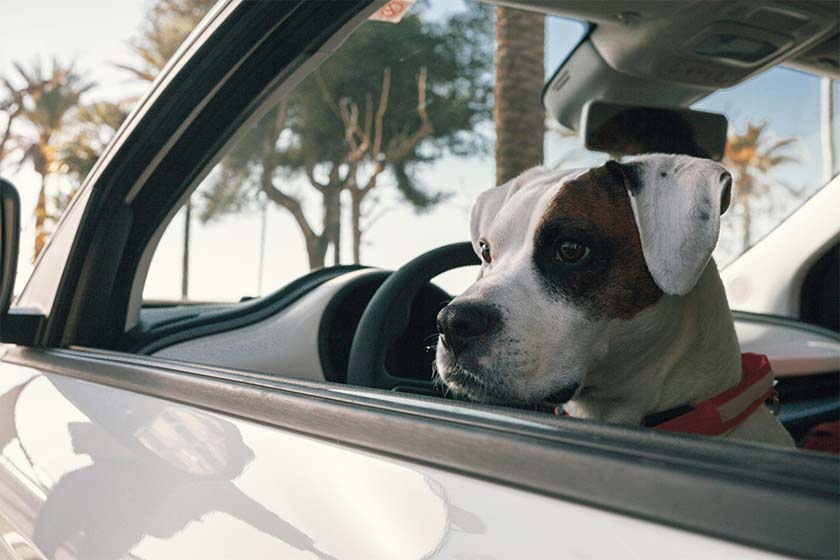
571	251
485	250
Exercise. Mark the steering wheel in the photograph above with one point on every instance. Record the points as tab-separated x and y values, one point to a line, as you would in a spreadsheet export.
386	316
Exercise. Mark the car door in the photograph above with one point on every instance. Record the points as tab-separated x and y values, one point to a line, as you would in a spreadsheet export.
109	455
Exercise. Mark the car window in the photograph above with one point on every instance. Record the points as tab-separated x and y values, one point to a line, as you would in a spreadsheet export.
374	158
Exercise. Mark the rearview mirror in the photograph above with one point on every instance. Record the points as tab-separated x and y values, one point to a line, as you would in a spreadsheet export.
9	239
632	130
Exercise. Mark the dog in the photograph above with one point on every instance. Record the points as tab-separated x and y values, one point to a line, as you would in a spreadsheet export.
597	291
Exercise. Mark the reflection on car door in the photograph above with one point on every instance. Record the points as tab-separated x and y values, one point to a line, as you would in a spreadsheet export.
92	471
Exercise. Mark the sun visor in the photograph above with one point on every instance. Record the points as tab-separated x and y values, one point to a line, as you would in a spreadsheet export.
586	76
654	55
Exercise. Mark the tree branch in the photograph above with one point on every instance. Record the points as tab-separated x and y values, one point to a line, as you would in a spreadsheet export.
402	145
326	93
380	114
290	203
282	114
268	166
350	118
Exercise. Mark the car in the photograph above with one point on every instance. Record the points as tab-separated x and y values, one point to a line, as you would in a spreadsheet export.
304	423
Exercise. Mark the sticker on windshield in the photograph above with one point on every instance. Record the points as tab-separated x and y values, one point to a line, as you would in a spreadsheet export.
393	11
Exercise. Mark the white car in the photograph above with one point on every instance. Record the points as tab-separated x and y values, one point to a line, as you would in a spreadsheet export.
304	423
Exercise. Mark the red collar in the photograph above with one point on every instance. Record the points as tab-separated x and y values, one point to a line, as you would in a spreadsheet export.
722	412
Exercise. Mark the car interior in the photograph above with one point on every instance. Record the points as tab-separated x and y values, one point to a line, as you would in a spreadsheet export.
364	326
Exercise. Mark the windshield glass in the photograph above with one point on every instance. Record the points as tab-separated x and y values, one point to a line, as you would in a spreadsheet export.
375	158
379	154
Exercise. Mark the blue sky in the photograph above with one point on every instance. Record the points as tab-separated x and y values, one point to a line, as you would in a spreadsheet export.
95	33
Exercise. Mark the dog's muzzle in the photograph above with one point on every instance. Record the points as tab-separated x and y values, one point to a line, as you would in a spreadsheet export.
462	324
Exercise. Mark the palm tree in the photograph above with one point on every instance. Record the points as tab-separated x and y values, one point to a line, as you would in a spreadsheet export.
11	103
168	23
50	99
520	122
752	156
92	127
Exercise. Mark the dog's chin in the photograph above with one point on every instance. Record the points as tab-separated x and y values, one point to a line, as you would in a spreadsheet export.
464	384
481	387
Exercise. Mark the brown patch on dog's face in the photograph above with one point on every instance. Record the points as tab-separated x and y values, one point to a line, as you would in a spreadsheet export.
612	279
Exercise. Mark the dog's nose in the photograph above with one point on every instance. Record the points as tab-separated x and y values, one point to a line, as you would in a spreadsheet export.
460	323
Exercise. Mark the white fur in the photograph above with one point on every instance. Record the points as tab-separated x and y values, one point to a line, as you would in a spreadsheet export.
683	349
677	242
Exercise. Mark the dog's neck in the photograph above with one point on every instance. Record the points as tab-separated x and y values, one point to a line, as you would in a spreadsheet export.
682	350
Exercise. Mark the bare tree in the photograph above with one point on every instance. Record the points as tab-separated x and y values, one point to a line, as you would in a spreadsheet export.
365	146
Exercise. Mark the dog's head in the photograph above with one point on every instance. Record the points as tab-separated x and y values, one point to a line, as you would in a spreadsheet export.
563	254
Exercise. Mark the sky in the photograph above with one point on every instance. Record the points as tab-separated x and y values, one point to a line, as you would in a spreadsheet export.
225	254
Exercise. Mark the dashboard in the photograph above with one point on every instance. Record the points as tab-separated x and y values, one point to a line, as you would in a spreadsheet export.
306	335
306	331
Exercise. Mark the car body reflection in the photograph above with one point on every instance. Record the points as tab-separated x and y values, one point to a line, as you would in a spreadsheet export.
138	472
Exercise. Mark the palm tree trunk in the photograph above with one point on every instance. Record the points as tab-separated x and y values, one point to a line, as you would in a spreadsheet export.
185	260
41	217
520	71
356	215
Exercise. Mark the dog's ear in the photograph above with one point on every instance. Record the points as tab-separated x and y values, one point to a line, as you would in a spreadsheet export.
677	202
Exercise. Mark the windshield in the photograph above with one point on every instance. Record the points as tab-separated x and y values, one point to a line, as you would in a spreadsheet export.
331	201
380	153
419	93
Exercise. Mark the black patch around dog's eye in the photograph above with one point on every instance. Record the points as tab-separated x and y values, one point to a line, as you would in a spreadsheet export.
572	281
